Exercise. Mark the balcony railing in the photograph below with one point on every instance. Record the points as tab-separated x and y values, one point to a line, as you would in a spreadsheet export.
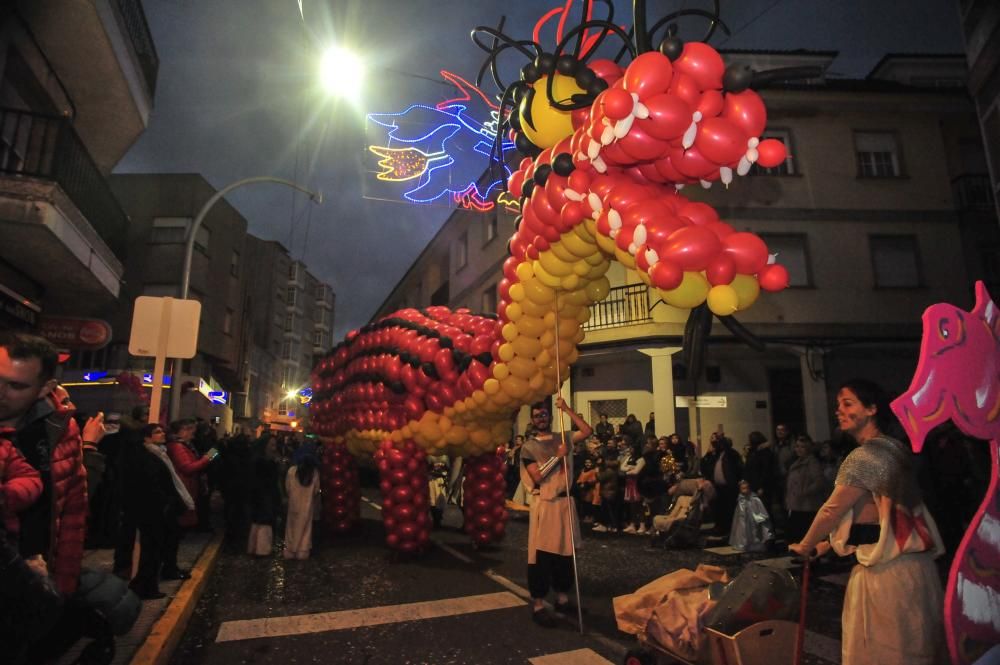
134	19
624	306
973	192
47	147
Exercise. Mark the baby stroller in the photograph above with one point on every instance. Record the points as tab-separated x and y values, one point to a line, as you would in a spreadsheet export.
680	527
751	623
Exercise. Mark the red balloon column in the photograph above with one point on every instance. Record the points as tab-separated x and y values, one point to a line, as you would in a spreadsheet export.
341	488
483	487
403	473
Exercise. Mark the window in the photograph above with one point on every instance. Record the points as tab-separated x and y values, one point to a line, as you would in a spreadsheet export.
488	304
878	155
793	253
318	338
292	270
286	349
289	322
173	230
786	167
895	262
227	322
320	292
290	296
462	251
234	264
490	229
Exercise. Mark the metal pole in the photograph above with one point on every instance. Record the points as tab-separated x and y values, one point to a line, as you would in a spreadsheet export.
566	464
175	387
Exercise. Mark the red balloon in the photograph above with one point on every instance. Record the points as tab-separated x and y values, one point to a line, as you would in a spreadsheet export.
685	88
771	153
773	277
700	214
666	275
747	250
702	63
692	163
721	270
747	110
641	146
609	70
649	74
691	247
711	104
617	103
720	140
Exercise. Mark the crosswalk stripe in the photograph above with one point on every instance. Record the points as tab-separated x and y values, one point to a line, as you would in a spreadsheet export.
301	624
575	657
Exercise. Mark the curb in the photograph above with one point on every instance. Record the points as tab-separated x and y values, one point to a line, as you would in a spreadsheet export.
166	633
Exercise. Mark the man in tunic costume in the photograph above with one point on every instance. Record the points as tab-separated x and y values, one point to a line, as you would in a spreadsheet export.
550	542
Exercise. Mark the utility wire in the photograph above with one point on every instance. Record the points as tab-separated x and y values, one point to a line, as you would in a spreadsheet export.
750	22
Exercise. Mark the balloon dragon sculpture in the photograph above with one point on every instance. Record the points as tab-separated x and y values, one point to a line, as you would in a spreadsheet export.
607	148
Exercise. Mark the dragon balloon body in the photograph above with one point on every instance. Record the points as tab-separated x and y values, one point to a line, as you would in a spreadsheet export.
608	149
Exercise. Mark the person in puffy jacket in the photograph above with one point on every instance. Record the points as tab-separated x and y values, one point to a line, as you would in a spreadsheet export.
36	416
20	486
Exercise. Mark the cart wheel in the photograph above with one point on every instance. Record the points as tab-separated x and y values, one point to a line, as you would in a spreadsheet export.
638	657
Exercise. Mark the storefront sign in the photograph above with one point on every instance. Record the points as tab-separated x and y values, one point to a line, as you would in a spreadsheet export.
74	333
702	401
17	311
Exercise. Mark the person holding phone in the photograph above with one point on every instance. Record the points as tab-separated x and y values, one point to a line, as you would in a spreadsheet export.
190	467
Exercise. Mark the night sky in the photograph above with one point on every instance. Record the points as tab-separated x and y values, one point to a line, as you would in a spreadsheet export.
237	96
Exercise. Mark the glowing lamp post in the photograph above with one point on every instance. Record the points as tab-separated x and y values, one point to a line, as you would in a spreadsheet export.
341	72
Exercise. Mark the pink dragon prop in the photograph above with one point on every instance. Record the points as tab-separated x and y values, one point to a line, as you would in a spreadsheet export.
958	378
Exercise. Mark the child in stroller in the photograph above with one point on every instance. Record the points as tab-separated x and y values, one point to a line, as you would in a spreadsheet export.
680	527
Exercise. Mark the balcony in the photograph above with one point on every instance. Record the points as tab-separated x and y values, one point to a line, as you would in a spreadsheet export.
56	208
973	192
104	53
625	306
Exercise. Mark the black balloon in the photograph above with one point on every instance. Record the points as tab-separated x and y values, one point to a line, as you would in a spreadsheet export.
737	78
545	63
567	65
672	47
563	164
542	174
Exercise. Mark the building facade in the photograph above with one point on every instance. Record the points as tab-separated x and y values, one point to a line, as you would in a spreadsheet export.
882	209
76	89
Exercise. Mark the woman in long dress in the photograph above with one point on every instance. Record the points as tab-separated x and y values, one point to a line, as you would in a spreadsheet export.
893	603
302	484
265	500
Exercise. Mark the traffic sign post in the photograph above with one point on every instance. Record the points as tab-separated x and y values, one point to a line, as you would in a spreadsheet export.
162	328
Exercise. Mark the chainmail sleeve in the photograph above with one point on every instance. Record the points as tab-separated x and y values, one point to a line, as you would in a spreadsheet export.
882	466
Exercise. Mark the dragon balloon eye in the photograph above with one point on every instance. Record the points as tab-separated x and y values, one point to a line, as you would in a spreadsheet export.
943	328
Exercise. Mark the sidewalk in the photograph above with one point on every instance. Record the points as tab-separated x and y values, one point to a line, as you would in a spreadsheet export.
161	622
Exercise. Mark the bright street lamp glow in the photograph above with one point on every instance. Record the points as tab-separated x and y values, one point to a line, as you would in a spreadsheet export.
291	394
341	72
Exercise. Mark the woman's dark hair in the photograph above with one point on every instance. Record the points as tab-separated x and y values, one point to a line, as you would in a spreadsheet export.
305	470
870	394
148	429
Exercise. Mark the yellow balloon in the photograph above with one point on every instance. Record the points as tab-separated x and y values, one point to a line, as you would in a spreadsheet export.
548	126
691	292
454	436
553	264
513	386
643	277
550	320
526	346
530	326
543	358
583	315
444	423
544	276
533	309
598	289
492	386
480	397
523	368
562	252
506	352
517	292
587	230
509	332
576	245
539	293
581	268
548	339
568	328
515	312
606	244
430	431
536	381
747	289
570	282
595	259
624	258
524	271
460	407
479	436
723	300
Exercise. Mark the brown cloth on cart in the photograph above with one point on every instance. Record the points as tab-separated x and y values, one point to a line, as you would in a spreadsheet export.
670	611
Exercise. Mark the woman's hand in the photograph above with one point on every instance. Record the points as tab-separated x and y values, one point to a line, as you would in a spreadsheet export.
821	548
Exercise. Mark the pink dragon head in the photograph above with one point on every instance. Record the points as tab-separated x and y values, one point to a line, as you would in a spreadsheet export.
957	376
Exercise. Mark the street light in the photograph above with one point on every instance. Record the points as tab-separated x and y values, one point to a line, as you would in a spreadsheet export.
175	373
341	72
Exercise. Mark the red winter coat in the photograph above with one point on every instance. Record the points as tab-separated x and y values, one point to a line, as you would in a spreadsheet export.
188	464
69	492
20	484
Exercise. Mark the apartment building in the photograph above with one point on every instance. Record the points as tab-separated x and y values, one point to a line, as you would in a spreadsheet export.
883	208
76	89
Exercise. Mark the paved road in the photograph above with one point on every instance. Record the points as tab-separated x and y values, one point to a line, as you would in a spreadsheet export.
354	602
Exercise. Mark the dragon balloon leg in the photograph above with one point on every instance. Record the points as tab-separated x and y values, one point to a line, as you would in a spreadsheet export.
958	378
608	149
